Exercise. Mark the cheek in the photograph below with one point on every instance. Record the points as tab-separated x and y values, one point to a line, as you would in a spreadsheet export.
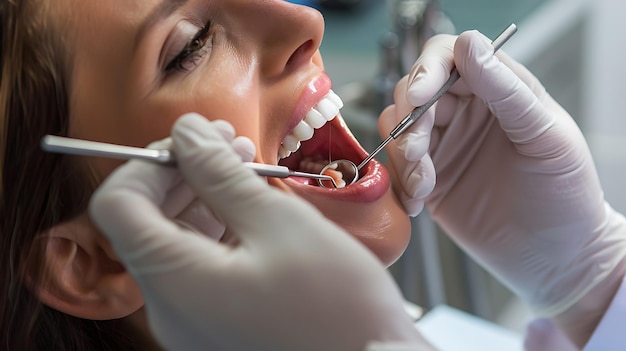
153	121
229	95
386	232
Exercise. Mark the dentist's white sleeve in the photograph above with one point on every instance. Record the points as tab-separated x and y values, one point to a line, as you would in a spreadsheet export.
611	332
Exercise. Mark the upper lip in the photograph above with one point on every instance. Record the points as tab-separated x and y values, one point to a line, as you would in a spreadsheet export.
314	91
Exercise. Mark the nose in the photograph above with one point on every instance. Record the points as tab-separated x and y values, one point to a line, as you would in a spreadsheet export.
283	35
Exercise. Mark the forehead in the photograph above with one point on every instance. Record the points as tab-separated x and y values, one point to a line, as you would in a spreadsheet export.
92	18
112	30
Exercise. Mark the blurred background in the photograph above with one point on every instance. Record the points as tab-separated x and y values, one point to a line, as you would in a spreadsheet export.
572	46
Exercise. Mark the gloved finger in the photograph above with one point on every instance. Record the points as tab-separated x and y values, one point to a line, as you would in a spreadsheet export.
413	143
418	182
199	219
179	195
245	148
431	69
412	207
402	106
226	130
247	205
545	335
521	113
181	204
196	216
412	168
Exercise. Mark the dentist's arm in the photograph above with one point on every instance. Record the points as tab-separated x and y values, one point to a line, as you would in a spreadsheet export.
516	185
294	281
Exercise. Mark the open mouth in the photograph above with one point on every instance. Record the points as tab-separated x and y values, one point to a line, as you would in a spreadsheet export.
321	137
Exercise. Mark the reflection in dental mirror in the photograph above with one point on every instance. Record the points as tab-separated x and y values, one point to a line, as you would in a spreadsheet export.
344	172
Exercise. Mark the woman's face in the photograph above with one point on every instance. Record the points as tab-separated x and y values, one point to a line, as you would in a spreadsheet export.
139	65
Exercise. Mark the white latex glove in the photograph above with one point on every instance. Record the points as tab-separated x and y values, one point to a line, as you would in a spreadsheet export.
410	165
543	335
516	185
295	281
183	205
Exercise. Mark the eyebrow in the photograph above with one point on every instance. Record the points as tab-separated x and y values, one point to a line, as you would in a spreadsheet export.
162	10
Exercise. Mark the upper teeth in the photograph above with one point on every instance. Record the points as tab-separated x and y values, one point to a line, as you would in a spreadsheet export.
324	111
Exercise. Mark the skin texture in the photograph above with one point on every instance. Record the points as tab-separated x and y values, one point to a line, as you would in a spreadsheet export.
260	58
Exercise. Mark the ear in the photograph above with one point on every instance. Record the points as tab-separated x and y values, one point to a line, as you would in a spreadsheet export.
83	276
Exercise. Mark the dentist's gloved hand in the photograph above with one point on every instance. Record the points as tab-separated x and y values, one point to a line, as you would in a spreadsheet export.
544	335
294	281
183	204
516	185
410	165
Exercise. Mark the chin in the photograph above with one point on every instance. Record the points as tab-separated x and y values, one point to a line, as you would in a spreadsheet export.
381	225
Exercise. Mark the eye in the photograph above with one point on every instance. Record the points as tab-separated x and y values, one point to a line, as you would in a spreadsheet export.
193	51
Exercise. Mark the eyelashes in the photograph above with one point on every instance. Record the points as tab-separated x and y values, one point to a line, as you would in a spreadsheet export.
193	51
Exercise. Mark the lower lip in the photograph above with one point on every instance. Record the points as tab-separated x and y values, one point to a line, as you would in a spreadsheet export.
369	188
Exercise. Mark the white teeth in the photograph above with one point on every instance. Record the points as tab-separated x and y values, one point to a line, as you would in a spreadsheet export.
325	110
334	98
283	152
291	143
302	131
315	119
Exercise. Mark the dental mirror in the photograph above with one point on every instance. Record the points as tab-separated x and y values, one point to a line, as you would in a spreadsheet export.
344	172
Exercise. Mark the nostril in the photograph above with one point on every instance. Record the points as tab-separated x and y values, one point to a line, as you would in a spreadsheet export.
302	54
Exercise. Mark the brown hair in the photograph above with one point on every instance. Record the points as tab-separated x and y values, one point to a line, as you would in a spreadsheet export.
37	190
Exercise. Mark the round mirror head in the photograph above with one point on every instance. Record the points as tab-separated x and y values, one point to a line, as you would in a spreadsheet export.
344	172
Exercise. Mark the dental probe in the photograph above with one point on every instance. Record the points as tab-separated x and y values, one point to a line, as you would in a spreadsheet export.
420	110
64	145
